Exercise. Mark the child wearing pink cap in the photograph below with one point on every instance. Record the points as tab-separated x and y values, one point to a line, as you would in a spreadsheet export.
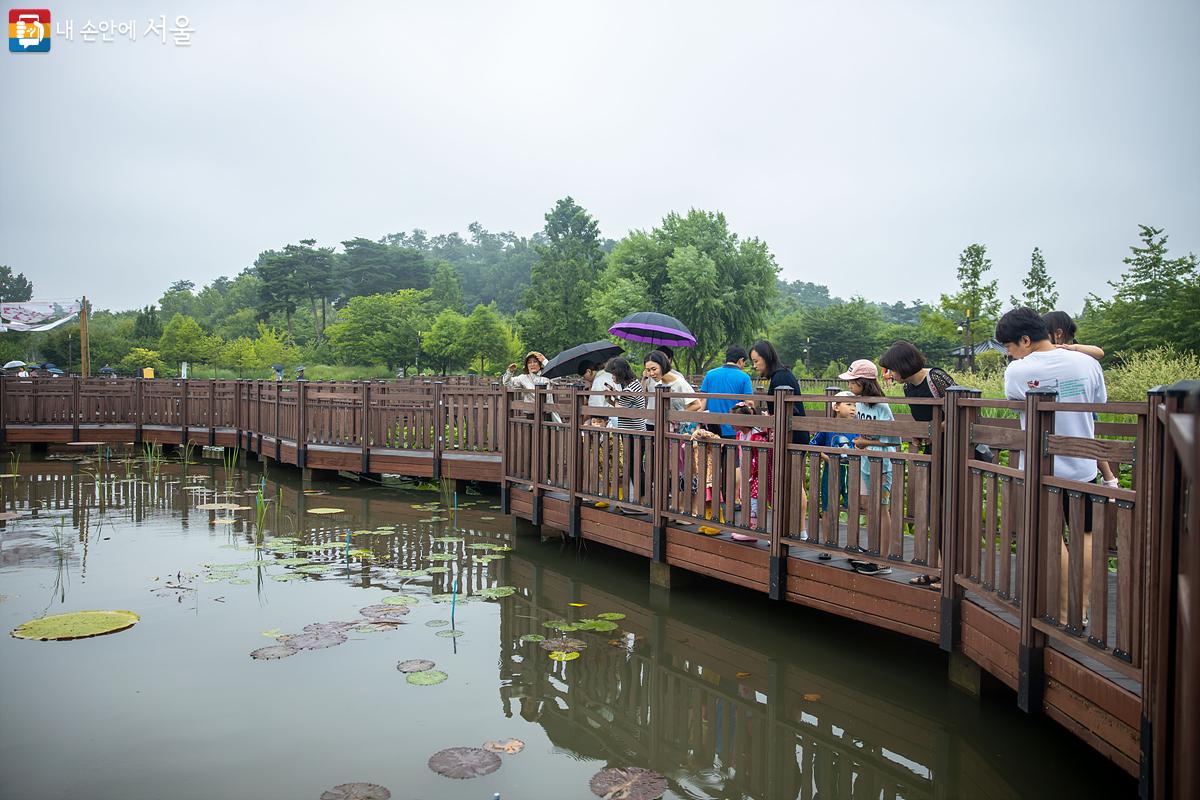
863	376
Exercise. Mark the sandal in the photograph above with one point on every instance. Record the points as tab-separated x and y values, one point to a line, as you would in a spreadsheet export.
922	580
824	556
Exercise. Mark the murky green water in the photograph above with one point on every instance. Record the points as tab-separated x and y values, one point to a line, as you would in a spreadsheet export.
721	691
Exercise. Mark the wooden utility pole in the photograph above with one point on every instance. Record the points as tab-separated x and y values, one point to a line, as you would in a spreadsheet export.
85	356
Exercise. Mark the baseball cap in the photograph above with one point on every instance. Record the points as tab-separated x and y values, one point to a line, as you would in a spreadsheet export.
862	368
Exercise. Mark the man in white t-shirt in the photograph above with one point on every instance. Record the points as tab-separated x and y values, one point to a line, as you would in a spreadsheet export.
1077	378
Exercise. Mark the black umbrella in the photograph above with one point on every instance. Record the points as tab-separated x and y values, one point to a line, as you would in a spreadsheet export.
654	328
568	362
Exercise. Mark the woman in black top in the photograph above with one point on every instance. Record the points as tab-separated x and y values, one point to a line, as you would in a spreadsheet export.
903	362
766	362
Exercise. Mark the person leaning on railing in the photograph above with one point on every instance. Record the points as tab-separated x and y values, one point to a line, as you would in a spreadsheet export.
905	364
864	382
767	364
626	391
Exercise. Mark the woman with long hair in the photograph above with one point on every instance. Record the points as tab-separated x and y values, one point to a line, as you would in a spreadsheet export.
766	362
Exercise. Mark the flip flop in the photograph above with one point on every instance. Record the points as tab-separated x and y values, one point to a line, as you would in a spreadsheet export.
741	537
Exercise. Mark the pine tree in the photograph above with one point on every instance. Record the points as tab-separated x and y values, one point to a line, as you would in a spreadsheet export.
1040	293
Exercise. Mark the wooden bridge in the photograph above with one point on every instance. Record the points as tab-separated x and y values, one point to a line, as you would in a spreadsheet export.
1103	638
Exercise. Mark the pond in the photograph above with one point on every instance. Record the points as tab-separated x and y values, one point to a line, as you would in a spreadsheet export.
399	625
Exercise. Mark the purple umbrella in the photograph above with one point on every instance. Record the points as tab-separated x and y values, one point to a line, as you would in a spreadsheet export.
654	328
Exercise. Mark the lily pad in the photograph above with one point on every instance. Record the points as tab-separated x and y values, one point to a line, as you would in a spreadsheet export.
610	615
273	651
437	623
375	627
447	539
416	665
385	613
441	556
411	573
218	507
76	625
427	677
533	637
314	569
489	558
287	576
599	626
481	546
400	600
464	762
293	561
318	640
449	633
564	655
629	783
323	511
436	570
240	581
508	746
564	643
274	633
356	791
446	598
361	553
496	592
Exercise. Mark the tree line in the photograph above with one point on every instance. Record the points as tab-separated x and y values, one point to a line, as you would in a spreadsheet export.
445	303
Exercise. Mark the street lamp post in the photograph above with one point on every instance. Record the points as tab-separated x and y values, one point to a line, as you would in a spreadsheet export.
964	328
807	348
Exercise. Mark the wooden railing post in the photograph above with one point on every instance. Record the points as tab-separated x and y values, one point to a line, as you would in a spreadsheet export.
956	447
212	398
75	408
301	424
505	456
659	460
781	474
1031	683
275	430
364	431
139	409
535	461
574	466
183	412
439	429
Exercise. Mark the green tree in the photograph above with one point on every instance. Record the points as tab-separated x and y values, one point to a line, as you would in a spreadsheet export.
138	358
147	327
1039	294
178	299
366	267
1153	304
694	294
14	287
279	288
486	337
977	298
446	291
184	340
556	315
445	341
841	333
379	328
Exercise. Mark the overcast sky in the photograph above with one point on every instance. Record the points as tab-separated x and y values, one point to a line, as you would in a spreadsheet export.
866	142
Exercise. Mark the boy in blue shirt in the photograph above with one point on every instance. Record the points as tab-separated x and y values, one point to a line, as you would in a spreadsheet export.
729	378
841	410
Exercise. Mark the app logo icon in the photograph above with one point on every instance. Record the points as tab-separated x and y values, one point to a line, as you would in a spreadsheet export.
29	30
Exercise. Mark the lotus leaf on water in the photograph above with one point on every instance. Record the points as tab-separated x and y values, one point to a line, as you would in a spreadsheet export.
441	556
610	615
316	640
446	598
411	573
224	521
240	581
599	626
362	533
449	633
496	592
313	548
629	783
447	539
533	637
218	507
464	762
274	540
313	569
563	655
481	546
400	600
509	746
274	633
273	651
416	665
437	623
356	791
564	643
321	511
76	625
361	553
488	558
438	519
437	570
385	613
427	677
554	623
287	576
374	627
293	561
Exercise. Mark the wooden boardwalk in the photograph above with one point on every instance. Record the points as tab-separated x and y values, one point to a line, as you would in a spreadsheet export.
1016	597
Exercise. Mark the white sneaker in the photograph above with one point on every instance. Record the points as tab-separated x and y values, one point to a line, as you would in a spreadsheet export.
804	536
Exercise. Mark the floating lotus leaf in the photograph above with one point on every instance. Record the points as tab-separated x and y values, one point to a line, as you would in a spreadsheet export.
564	643
564	655
240	581
363	532
356	791
283	548
481	546
509	746
427	677
437	623
334	627
565	627
464	762
274	540
602	626
273	651
293	561
400	600
374	627
361	553
554	623
318	640
287	576
437	570
488	558
322	511
447	539
313	548
446	598
416	665
218	507
274	633
385	613
629	783
76	625
314	569
449	633
387	532
441	556
610	615
533	637
411	573
226	567
496	592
